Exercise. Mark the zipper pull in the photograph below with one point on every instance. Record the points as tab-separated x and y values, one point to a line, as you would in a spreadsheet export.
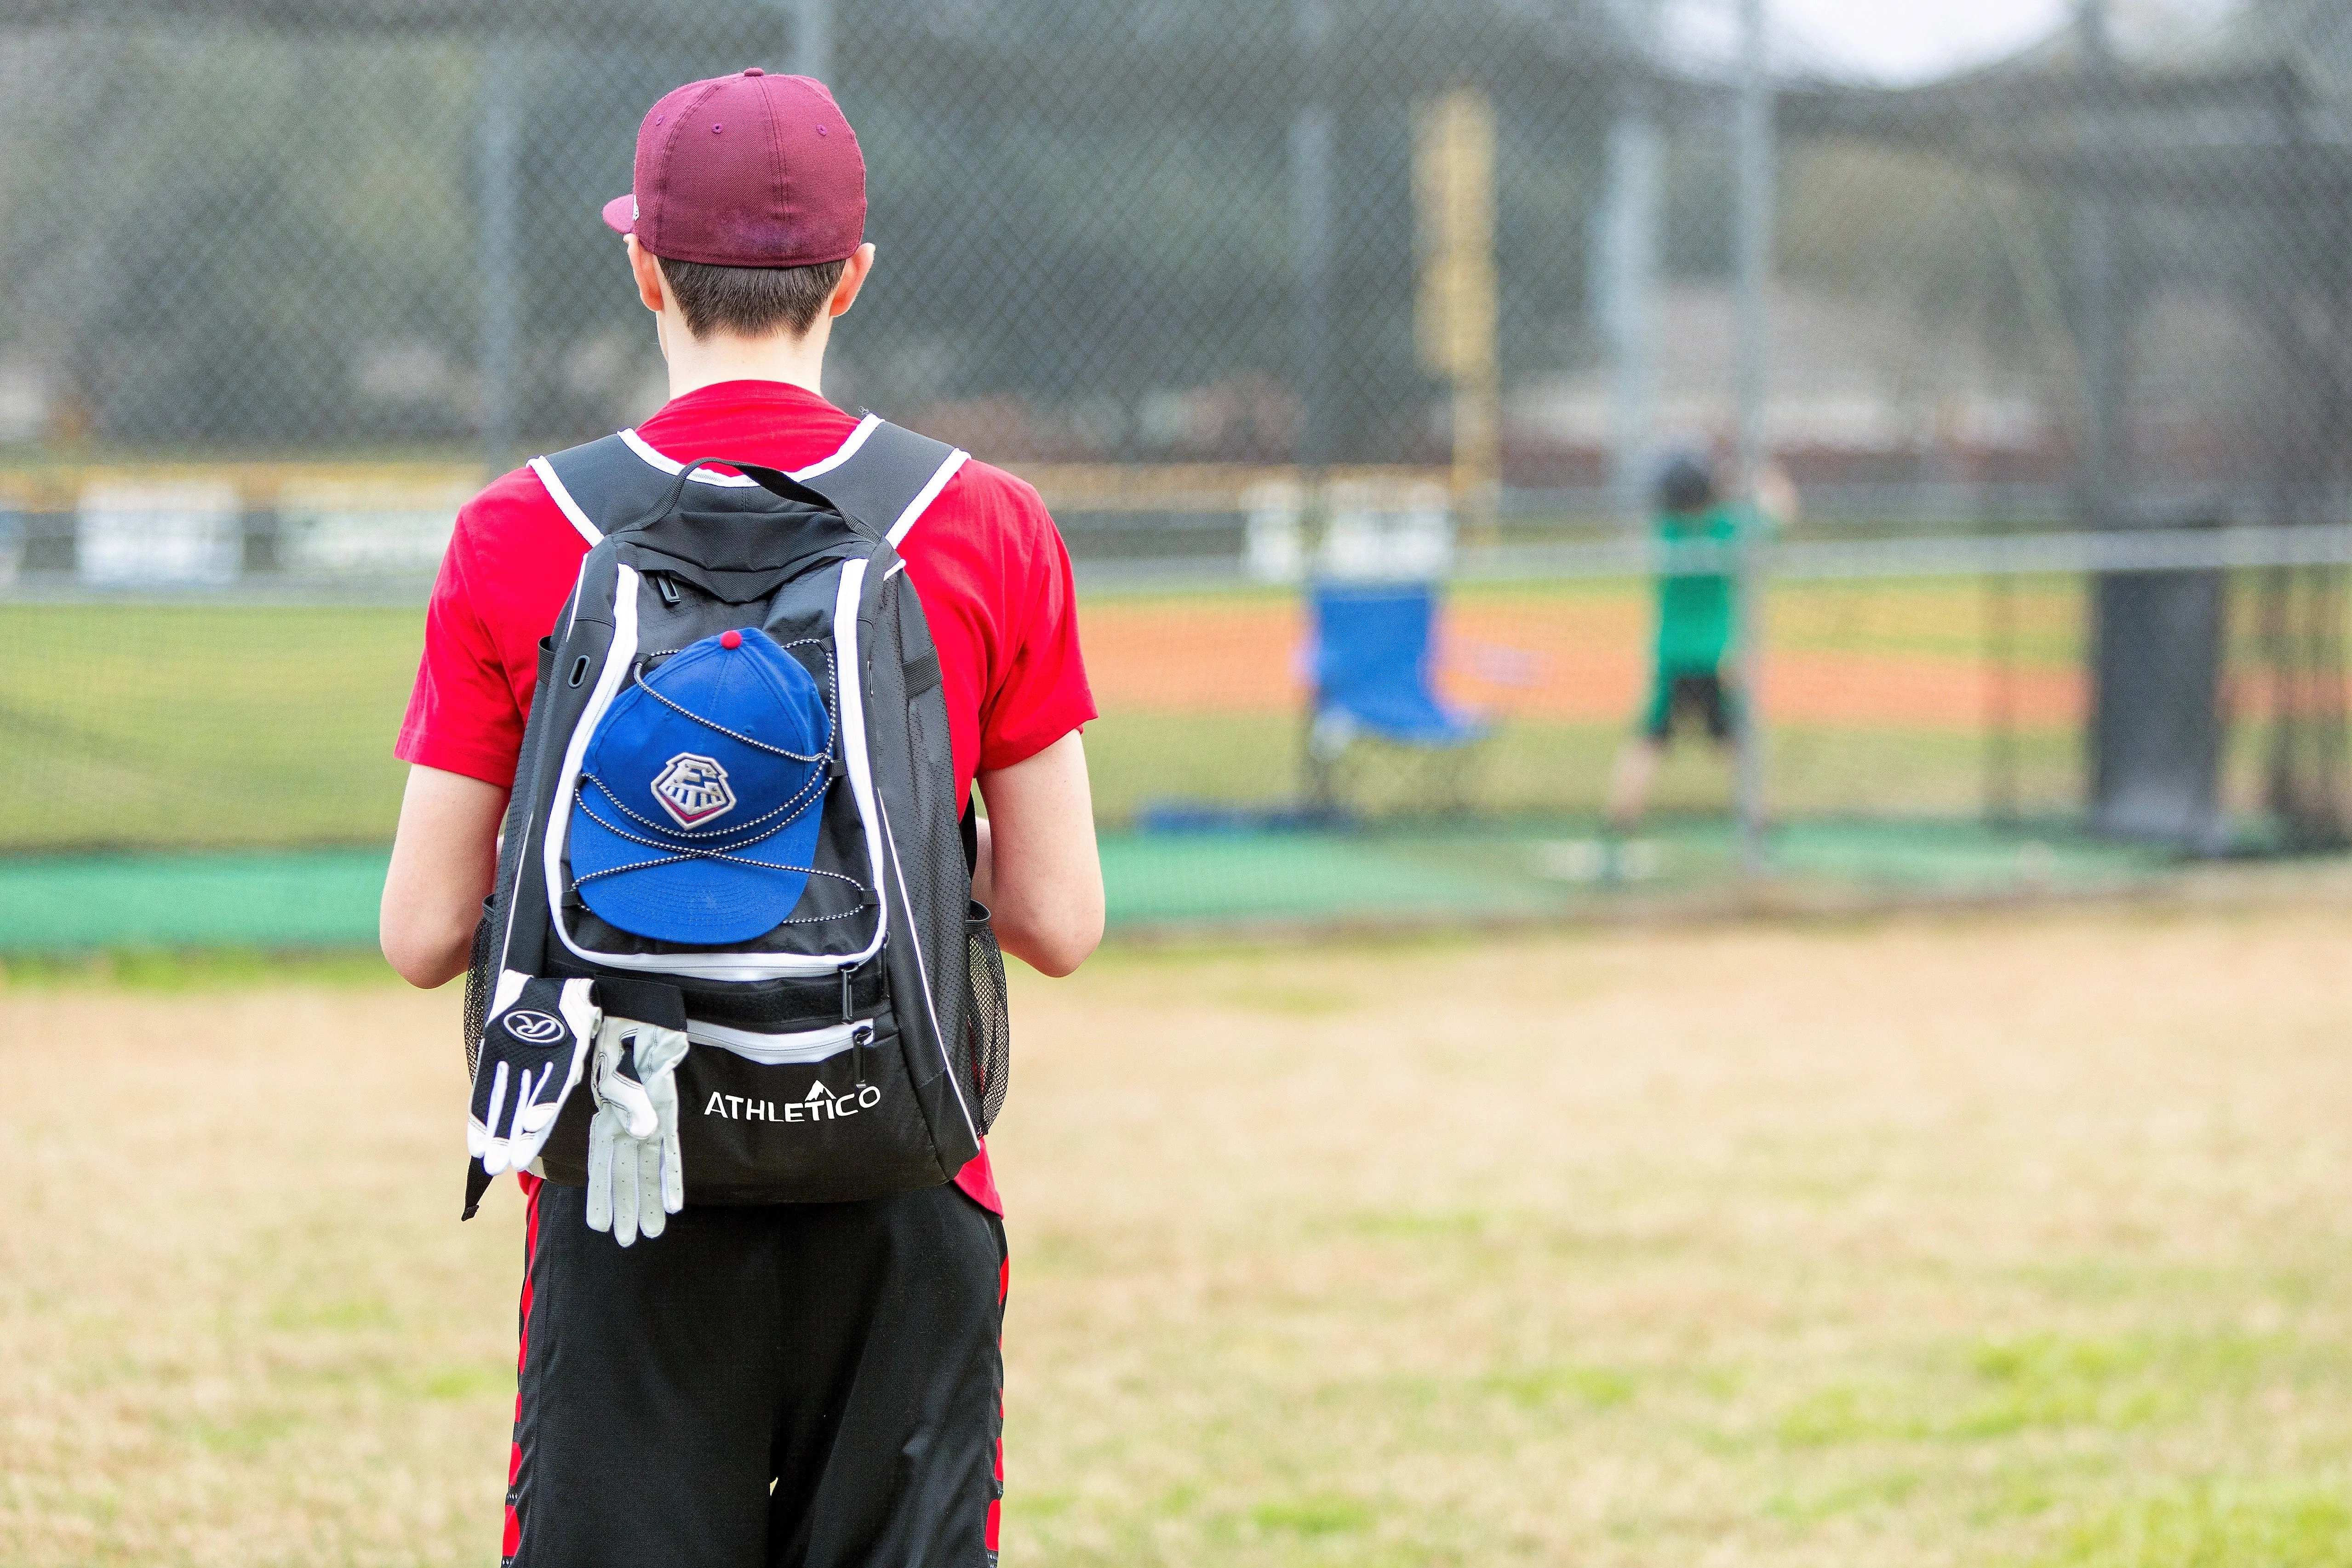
859	1038
847	971
667	587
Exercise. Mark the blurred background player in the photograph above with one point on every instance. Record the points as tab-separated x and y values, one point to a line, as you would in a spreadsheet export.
1696	626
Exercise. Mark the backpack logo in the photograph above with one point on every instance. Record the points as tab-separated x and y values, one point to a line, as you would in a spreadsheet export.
694	790
535	1028
820	1104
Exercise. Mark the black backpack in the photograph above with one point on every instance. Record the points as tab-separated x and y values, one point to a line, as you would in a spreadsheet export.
859	1048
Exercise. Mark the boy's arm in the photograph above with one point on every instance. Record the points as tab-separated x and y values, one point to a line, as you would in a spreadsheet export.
444	859
1776	505
1038	872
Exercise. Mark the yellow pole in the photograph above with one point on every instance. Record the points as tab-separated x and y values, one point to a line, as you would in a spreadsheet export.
1453	185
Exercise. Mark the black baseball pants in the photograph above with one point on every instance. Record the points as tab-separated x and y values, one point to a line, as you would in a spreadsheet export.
807	1385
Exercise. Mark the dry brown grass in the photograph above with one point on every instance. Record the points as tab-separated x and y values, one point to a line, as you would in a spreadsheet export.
1926	1242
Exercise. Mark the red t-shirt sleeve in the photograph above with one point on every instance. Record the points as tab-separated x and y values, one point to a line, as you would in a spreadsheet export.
994	578
1042	694
462	716
507	569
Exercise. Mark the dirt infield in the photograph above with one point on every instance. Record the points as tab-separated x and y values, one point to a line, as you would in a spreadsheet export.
1575	660
1929	1243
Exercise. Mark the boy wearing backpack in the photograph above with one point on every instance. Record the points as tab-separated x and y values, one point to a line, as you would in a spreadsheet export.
699	707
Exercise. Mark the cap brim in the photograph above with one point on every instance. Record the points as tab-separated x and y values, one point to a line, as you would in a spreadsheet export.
621	215
699	901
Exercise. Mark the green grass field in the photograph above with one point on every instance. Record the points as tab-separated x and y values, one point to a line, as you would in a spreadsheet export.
197	726
260	737
2013	1243
201	727
1562	770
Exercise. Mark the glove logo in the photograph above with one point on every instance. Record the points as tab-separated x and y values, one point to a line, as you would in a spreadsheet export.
694	790
534	1028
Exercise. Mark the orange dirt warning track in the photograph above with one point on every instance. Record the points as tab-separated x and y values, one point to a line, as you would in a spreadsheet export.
1576	663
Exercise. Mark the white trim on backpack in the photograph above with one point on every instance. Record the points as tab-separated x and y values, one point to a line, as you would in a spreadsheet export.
923	972
572	611
587	529
739	966
848	449
778	1051
530	819
618	657
851	673
565	503
636	442
925	496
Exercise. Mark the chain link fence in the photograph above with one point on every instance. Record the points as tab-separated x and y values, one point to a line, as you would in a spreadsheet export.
1242	286
354	228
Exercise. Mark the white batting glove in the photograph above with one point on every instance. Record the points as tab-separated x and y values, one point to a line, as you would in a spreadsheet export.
635	1177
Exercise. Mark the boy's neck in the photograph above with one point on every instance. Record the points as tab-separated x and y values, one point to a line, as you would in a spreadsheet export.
695	364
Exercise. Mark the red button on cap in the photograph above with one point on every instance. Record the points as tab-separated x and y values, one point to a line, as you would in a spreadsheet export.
730	640
753	70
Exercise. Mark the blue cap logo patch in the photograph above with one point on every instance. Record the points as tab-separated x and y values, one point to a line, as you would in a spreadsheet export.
693	790
701	793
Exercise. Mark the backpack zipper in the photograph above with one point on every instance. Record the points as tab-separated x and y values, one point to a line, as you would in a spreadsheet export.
794	1048
862	1033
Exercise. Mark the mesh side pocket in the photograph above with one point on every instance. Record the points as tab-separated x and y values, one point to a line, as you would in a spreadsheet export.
478	980
987	1021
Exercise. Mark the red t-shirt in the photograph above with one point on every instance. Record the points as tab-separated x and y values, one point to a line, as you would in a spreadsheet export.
985	559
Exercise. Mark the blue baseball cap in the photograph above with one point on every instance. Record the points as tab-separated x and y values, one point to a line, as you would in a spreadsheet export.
701	793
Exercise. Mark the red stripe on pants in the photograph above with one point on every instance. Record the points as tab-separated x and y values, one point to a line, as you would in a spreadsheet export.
996	1504
531	1185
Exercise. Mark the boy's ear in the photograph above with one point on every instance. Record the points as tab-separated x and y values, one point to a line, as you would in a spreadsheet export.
651	287
854	273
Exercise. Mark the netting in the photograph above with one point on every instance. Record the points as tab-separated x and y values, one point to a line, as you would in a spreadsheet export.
1266	299
987	1022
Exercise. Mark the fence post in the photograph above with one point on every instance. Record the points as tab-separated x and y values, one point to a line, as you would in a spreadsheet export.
813	40
499	125
1455	318
1312	133
1625	265
2095	264
1755	131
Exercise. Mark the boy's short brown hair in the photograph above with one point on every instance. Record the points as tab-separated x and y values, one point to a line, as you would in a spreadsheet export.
751	301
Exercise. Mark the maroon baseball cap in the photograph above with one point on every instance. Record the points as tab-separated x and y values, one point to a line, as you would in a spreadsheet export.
750	169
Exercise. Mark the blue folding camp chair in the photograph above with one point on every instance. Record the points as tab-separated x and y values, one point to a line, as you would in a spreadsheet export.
1373	668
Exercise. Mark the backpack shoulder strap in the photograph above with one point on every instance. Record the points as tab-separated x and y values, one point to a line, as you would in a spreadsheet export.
884	476
882	479
603	480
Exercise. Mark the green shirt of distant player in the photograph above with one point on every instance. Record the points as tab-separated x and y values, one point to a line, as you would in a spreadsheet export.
1694	612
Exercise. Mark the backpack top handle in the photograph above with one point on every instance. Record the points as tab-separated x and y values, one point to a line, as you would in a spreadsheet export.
774	480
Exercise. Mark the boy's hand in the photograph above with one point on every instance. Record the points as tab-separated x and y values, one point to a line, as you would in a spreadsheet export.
1776	498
